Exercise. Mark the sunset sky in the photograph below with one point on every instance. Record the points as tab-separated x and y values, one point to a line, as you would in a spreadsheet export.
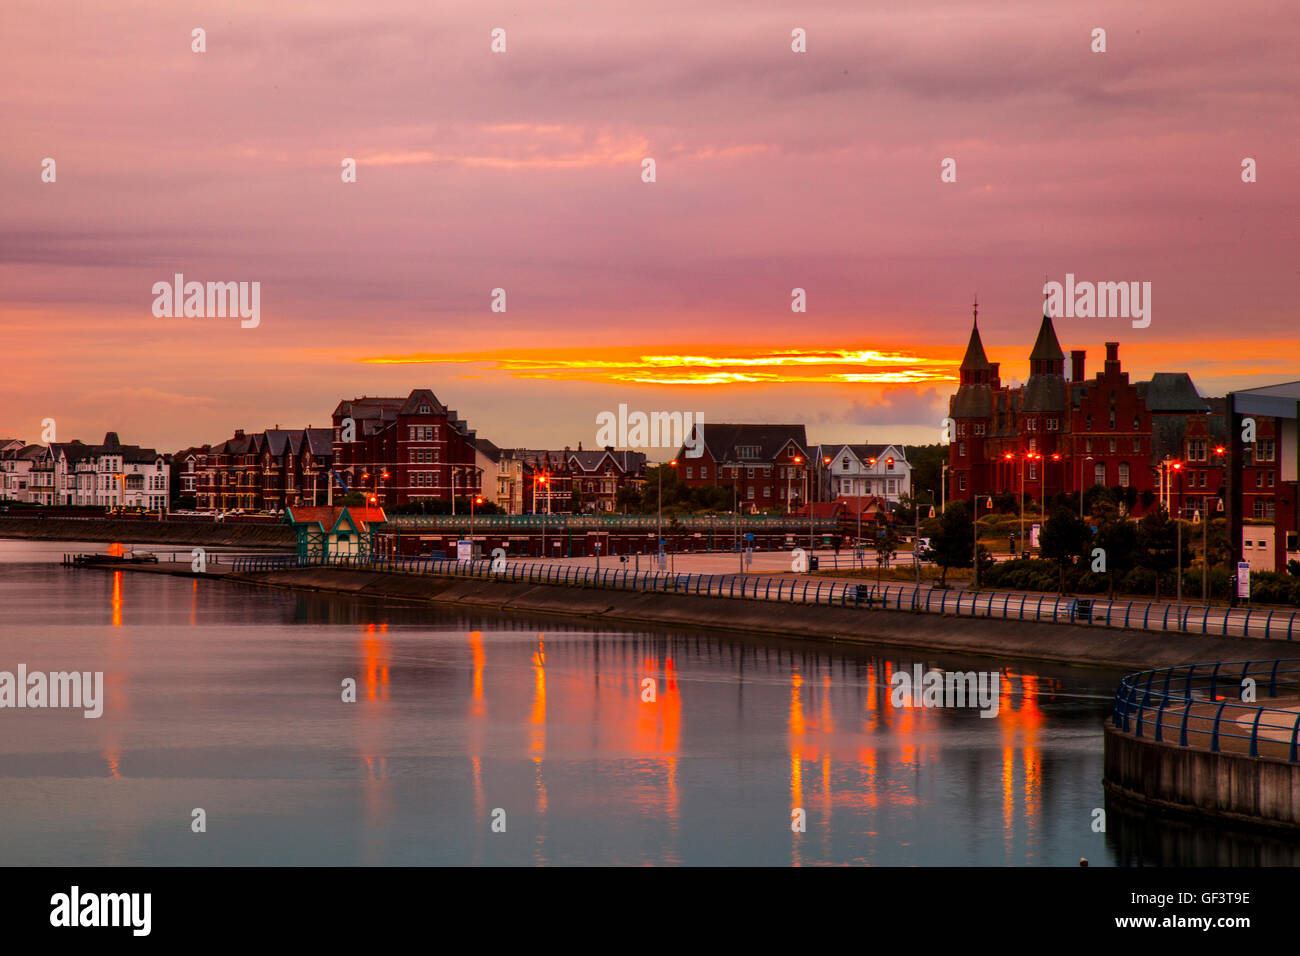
522	170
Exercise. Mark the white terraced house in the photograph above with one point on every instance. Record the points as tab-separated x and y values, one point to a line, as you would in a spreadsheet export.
109	475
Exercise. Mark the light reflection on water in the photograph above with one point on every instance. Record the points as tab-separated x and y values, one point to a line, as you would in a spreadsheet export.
230	698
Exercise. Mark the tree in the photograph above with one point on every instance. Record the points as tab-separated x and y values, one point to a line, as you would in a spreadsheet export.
1063	538
1117	538
1005	502
927	463
953	546
1157	537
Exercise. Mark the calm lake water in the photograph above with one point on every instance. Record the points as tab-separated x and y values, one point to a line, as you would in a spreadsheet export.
228	698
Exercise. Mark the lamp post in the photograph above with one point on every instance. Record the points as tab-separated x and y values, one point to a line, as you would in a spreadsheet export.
916	540
735	516
1081	464
542	479
975	550
1178	467
671	464
476	500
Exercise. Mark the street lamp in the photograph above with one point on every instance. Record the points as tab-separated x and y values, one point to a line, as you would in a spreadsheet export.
476	500
916	540
788	468
671	464
1178	467
975	551
1081	464
542	479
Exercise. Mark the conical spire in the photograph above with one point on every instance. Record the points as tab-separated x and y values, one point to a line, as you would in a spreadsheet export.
1048	347
975	359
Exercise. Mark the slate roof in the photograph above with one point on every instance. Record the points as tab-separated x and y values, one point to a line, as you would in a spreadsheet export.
975	359
1047	347
1171	392
722	439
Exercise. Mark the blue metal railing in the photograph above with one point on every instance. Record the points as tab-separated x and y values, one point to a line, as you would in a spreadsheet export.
1142	615
1207	709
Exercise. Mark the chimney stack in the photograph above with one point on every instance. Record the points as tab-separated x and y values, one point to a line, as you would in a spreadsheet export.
1076	364
1112	357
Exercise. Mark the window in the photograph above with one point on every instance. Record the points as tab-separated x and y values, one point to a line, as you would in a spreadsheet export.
1137	444
845	485
1259	479
749	472
1112	419
1033	444
1137	423
1204	476
979	428
704	471
1114	446
844	463
424	409
1033	471
1270	479
690	472
890	465
1123	474
1099	474
1196	449
961	449
1087	445
1263	509
1088	423
961	481
1052	424
767	492
1031	425
961	430
749	492
746	451
1265	450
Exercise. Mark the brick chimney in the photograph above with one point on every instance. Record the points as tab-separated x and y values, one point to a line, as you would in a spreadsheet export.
1076	364
239	433
1112	357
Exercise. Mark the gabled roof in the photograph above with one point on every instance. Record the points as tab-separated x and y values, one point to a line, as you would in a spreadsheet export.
331	518
722	440
593	462
489	449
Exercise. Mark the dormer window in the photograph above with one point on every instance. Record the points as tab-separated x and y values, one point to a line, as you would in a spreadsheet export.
424	409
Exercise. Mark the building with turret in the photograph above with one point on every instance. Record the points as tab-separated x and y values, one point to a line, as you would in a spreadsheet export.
1061	431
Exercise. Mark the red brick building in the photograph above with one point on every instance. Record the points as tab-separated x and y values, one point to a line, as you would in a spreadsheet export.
1059	434
402	450
265	471
767	465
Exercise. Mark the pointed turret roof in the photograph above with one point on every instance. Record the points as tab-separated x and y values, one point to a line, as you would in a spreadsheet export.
975	357
1048	347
